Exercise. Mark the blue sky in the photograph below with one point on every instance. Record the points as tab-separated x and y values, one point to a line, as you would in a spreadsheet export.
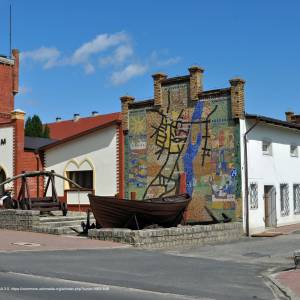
80	56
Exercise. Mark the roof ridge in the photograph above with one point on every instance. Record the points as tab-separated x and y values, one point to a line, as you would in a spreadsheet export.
84	118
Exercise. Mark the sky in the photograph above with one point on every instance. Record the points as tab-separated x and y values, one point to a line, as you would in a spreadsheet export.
81	56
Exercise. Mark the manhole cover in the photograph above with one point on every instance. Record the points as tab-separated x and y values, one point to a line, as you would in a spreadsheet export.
255	254
26	244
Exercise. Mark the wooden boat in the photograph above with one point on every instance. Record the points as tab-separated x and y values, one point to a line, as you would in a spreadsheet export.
111	212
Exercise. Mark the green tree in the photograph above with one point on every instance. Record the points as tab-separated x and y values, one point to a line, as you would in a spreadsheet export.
28	127
35	128
46	131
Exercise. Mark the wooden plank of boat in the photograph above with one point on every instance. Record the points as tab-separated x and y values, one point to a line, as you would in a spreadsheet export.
111	212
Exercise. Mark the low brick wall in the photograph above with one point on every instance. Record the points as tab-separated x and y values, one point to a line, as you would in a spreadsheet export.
172	237
19	219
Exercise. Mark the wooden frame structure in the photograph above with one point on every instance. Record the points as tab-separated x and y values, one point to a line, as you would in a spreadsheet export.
45	203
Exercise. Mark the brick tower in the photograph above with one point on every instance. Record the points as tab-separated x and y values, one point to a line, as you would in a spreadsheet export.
9	84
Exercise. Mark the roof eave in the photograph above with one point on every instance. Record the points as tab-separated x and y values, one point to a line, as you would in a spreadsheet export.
272	121
73	137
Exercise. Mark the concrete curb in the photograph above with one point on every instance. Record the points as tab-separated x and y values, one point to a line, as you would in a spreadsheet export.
281	291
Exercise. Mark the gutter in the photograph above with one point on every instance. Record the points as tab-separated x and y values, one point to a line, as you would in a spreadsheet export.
246	174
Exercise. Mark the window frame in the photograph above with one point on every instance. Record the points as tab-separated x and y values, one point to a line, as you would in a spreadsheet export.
284	200
295	208
296	151
269	152
79	180
253	193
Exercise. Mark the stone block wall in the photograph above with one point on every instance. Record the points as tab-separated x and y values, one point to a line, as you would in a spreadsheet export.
23	220
171	237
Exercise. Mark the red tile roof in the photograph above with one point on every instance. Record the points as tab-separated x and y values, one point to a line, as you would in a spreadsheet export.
64	129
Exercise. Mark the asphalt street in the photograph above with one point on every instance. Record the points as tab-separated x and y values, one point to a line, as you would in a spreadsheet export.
129	274
234	270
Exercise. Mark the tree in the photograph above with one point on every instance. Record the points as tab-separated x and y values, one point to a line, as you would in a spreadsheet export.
35	128
46	131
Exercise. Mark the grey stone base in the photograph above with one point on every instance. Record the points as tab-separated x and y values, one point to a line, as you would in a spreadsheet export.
30	220
172	237
19	219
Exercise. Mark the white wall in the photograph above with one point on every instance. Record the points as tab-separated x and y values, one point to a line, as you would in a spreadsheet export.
99	149
274	170
6	152
242	131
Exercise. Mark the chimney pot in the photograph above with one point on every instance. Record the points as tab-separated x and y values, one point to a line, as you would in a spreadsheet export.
236	81
158	78
58	119
125	101
196	84
237	97
76	117
94	113
289	116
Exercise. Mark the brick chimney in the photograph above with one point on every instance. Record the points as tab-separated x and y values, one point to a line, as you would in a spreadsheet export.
237	98
289	116
125	101
196	84
158	78
15	53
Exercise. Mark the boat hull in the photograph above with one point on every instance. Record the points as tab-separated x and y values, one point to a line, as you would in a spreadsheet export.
111	212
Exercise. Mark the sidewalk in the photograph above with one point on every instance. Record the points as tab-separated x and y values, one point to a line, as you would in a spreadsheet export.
287	229
11	240
281	230
289	281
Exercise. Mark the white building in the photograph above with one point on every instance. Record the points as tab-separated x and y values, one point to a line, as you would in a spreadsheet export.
89	152
273	172
6	153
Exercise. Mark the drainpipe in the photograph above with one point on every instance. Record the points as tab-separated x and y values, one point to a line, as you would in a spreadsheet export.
246	175
38	177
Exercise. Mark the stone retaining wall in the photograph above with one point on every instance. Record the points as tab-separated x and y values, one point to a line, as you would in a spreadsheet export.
19	219
172	237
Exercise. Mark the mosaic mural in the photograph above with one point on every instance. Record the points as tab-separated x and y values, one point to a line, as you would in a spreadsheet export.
197	138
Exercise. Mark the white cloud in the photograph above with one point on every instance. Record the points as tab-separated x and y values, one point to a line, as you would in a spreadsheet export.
120	55
47	56
111	50
24	90
168	61
132	70
89	68
163	62
101	43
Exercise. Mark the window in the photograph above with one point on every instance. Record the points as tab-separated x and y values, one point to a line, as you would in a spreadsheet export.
83	178
267	148
296	192
294	150
284	200
253	196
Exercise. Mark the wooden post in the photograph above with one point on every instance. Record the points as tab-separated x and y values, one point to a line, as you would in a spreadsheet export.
133	195
26	188
182	183
54	194
47	186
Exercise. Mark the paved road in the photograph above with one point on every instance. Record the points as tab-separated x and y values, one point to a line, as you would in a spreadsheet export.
129	268
229	271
